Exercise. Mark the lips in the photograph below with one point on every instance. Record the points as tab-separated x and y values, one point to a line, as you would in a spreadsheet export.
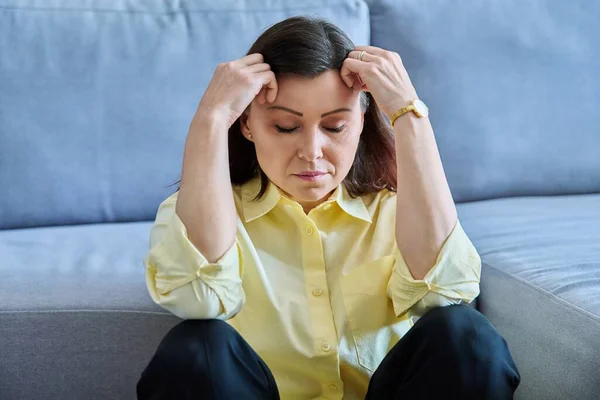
311	173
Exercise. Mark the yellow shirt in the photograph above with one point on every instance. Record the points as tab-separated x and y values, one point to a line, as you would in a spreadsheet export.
320	297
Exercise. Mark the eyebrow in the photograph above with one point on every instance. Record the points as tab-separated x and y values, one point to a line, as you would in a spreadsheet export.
300	114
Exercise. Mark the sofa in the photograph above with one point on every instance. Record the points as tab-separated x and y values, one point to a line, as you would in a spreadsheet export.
96	98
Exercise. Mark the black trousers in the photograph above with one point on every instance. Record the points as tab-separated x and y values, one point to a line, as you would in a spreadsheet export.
451	352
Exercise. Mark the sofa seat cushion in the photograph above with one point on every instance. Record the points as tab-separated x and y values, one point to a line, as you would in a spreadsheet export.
540	287
76	320
79	267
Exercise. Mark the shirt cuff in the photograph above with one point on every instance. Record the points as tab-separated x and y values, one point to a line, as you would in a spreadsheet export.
175	261
453	279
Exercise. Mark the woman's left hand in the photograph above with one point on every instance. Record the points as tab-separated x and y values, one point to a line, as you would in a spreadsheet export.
381	73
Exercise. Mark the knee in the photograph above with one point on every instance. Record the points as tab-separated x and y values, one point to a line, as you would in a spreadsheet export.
185	347
471	347
461	331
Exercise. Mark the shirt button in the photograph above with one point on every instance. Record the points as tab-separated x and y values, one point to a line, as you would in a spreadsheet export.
309	230
198	273
325	346
333	388
289	207
327	207
317	292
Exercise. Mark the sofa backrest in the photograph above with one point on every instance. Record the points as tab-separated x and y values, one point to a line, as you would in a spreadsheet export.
96	96
513	87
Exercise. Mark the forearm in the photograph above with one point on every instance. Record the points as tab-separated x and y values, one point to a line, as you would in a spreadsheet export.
181	279
425	213
205	200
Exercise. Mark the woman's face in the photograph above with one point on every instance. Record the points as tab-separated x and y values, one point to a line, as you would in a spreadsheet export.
314	125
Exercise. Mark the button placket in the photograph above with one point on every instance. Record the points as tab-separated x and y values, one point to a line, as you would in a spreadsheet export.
324	331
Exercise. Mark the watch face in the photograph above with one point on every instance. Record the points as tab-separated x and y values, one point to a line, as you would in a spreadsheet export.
421	108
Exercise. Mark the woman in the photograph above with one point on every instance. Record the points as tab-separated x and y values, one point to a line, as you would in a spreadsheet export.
315	250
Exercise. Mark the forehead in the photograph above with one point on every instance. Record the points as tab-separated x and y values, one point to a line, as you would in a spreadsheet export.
325	91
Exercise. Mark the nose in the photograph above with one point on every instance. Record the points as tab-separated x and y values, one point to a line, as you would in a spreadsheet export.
310	147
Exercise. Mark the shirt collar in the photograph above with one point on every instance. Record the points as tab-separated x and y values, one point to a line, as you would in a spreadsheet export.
253	209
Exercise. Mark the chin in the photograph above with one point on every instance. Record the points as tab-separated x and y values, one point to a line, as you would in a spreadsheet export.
312	191
308	191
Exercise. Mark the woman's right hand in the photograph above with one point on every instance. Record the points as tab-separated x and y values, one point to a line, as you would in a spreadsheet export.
235	84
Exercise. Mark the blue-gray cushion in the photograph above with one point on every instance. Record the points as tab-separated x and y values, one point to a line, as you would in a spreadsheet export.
540	287
96	97
513	87
83	267
76	320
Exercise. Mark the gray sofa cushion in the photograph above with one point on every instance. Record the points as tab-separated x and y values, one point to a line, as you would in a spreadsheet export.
96	97
74	355
540	287
513	88
76	320
75	268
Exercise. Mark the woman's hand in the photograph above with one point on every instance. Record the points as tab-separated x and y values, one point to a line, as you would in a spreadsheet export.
381	73
235	84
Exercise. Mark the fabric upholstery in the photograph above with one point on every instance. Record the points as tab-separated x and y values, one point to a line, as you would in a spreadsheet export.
513	89
96	97
76	321
540	287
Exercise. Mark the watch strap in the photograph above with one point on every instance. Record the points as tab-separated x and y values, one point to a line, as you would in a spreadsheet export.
400	113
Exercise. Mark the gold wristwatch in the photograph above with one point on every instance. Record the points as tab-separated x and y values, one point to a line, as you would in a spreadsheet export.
416	106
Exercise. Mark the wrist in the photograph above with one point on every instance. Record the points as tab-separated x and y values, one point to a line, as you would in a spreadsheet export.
214	117
393	108
414	107
410	128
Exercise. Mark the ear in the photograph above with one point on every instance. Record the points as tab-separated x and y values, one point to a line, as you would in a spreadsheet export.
244	127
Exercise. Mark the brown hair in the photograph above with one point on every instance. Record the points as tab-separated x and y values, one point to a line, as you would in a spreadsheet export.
309	46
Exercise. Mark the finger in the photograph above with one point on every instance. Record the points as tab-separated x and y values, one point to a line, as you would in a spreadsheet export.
259	96
350	74
256	68
376	51
354	54
352	65
250	59
361	83
347	76
349	68
270	83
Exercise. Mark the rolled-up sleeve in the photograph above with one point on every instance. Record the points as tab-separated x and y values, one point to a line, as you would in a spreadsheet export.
454	278
181	280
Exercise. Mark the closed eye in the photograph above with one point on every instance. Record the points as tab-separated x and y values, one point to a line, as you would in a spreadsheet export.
290	130
336	130
285	130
